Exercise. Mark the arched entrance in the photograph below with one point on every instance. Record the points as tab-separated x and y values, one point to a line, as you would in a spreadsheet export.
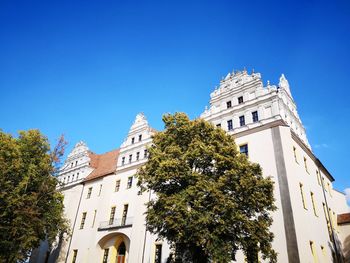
118	245
121	251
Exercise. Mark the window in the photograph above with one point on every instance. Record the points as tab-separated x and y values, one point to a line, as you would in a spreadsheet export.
100	190
125	213
305	164
145	153
228	104
329	188
105	256
132	140
323	250
218	125
130	158
111	215
313	251
313	203
318	177
117	186
129	182
77	176
158	254
123	160
229	125
243	149
68	179
82	222
240	100
72	177
302	195
241	121
94	218
255	116
75	253
140	137
89	193
71	165
295	154
137	156
76	163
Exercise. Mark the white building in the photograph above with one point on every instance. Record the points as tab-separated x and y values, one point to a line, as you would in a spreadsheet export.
106	209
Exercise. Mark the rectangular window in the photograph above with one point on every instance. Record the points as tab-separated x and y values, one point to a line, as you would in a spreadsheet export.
117	186
305	164
295	154
313	203
302	195
82	222
111	215
218	125
255	116
75	253
228	104
132	140
129	184
158	254
313	251
229	125
130	158
125	213
243	149
137	156
329	188
105	255
240	100
241	121
145	153
100	190
318	177
123	160
140	137
94	218
89	193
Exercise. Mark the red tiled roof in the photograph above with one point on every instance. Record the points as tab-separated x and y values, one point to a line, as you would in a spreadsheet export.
343	218
104	164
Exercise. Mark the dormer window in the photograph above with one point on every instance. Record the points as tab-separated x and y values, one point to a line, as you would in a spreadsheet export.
228	104
71	165
140	137
123	160
240	100
76	163
130	158
132	140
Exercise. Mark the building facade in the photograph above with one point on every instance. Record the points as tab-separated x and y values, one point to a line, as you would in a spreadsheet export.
106	209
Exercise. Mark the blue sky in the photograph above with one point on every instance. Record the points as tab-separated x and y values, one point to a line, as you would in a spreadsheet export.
86	68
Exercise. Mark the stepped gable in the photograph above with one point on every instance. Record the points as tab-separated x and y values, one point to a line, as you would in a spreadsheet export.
103	164
343	219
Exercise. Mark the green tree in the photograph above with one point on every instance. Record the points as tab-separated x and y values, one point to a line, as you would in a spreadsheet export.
31	209
210	200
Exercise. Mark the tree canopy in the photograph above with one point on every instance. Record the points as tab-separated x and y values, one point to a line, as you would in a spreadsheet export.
31	209
210	199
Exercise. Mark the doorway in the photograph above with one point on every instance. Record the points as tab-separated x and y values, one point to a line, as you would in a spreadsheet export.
121	253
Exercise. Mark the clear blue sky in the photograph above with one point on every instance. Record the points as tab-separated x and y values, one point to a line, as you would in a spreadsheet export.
86	68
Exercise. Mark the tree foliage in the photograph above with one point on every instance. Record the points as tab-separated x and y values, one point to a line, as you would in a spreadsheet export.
31	209
210	200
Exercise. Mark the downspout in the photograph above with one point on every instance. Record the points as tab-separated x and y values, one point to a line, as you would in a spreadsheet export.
144	239
329	218
75	220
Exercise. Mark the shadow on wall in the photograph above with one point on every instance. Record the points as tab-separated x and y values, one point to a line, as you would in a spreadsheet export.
347	249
